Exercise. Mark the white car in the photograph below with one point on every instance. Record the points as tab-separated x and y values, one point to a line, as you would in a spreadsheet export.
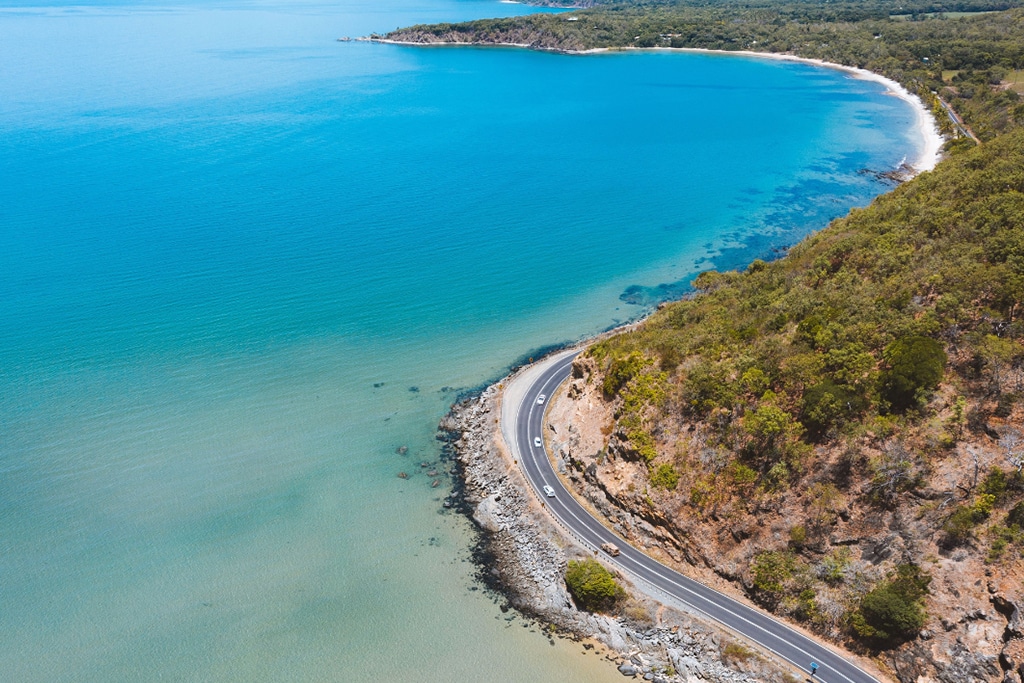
540	399
536	442
548	491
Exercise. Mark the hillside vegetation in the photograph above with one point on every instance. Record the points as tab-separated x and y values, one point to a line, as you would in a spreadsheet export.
839	431
901	320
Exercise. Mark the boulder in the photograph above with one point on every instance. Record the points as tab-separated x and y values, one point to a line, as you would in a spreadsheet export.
487	514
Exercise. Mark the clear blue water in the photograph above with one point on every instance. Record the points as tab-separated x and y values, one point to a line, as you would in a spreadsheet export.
220	229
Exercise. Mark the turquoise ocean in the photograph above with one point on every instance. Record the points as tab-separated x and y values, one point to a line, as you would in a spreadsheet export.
242	264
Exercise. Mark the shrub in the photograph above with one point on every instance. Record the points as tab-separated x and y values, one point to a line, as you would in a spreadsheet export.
961	522
771	570
892	612
743	477
805	607
777	477
621	371
834	565
643	443
1015	517
797	536
958	525
1003	537
592	586
703	491
665	476
995	483
734	654
914	365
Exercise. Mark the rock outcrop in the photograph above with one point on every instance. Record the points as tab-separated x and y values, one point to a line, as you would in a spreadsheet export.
522	555
975	633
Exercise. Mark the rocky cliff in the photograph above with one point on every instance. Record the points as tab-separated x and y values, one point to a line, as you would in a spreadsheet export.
974	627
522	555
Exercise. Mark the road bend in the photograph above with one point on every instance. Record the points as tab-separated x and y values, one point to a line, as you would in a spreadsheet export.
524	422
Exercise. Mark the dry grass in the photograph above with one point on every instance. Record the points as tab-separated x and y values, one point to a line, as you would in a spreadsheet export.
734	654
1015	80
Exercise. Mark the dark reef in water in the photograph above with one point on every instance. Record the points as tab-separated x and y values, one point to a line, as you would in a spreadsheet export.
796	212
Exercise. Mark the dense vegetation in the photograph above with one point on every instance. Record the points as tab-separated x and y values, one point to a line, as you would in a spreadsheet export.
592	586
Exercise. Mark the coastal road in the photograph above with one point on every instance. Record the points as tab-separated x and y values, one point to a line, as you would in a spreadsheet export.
523	421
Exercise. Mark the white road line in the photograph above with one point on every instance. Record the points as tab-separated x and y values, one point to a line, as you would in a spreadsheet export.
586	524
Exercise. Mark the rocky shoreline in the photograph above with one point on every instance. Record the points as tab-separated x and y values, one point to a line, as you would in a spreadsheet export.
522	554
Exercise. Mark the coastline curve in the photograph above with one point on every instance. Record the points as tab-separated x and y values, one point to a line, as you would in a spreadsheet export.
654	578
928	156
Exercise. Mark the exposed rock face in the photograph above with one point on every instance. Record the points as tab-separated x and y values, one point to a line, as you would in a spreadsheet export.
523	555
976	629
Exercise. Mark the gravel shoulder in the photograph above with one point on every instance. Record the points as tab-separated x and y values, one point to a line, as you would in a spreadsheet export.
522	554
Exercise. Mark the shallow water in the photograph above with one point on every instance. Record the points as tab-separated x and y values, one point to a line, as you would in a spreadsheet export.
220	230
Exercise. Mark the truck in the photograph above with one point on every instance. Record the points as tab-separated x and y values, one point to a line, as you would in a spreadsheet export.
610	548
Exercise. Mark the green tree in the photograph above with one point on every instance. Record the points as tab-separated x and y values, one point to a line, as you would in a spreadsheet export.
893	612
773	431
826	405
707	387
592	586
913	366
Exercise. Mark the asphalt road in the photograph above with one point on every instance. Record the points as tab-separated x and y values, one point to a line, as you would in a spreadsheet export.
785	642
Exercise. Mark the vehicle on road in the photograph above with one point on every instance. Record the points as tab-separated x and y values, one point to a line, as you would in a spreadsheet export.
774	636
540	399
610	548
